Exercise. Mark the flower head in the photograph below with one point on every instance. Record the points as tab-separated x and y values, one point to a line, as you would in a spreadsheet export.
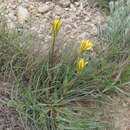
56	25
85	45
81	64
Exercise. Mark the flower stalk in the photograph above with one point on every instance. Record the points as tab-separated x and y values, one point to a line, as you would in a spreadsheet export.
51	116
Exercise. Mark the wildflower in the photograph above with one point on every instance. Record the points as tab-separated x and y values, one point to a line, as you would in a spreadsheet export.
56	25
85	45
81	65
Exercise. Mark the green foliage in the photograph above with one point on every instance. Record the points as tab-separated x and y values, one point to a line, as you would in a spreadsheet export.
17	55
30	74
49	94
115	37
103	4
35	101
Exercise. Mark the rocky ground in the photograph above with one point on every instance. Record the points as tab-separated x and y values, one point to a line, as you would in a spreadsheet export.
79	19
79	22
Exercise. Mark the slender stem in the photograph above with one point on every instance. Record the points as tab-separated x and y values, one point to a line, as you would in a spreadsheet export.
52	49
51	61
51	125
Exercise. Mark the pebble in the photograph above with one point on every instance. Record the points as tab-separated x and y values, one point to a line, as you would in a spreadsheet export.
64	3
22	14
67	28
44	8
73	8
59	10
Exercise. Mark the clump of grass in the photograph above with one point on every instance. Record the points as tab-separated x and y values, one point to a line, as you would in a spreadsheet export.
17	55
115	37
46	100
48	88
51	89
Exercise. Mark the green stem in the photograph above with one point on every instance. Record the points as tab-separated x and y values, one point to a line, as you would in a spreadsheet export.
51	62
52	50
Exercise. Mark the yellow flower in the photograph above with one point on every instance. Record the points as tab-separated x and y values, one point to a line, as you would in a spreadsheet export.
56	25
81	65
85	45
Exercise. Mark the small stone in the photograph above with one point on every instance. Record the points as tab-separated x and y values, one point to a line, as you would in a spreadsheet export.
59	10
22	14
64	3
12	16
67	9
68	28
83	35
77	4
87	19
45	8
124	104
72	7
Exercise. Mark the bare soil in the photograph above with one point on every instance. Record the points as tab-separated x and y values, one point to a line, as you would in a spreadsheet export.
8	116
